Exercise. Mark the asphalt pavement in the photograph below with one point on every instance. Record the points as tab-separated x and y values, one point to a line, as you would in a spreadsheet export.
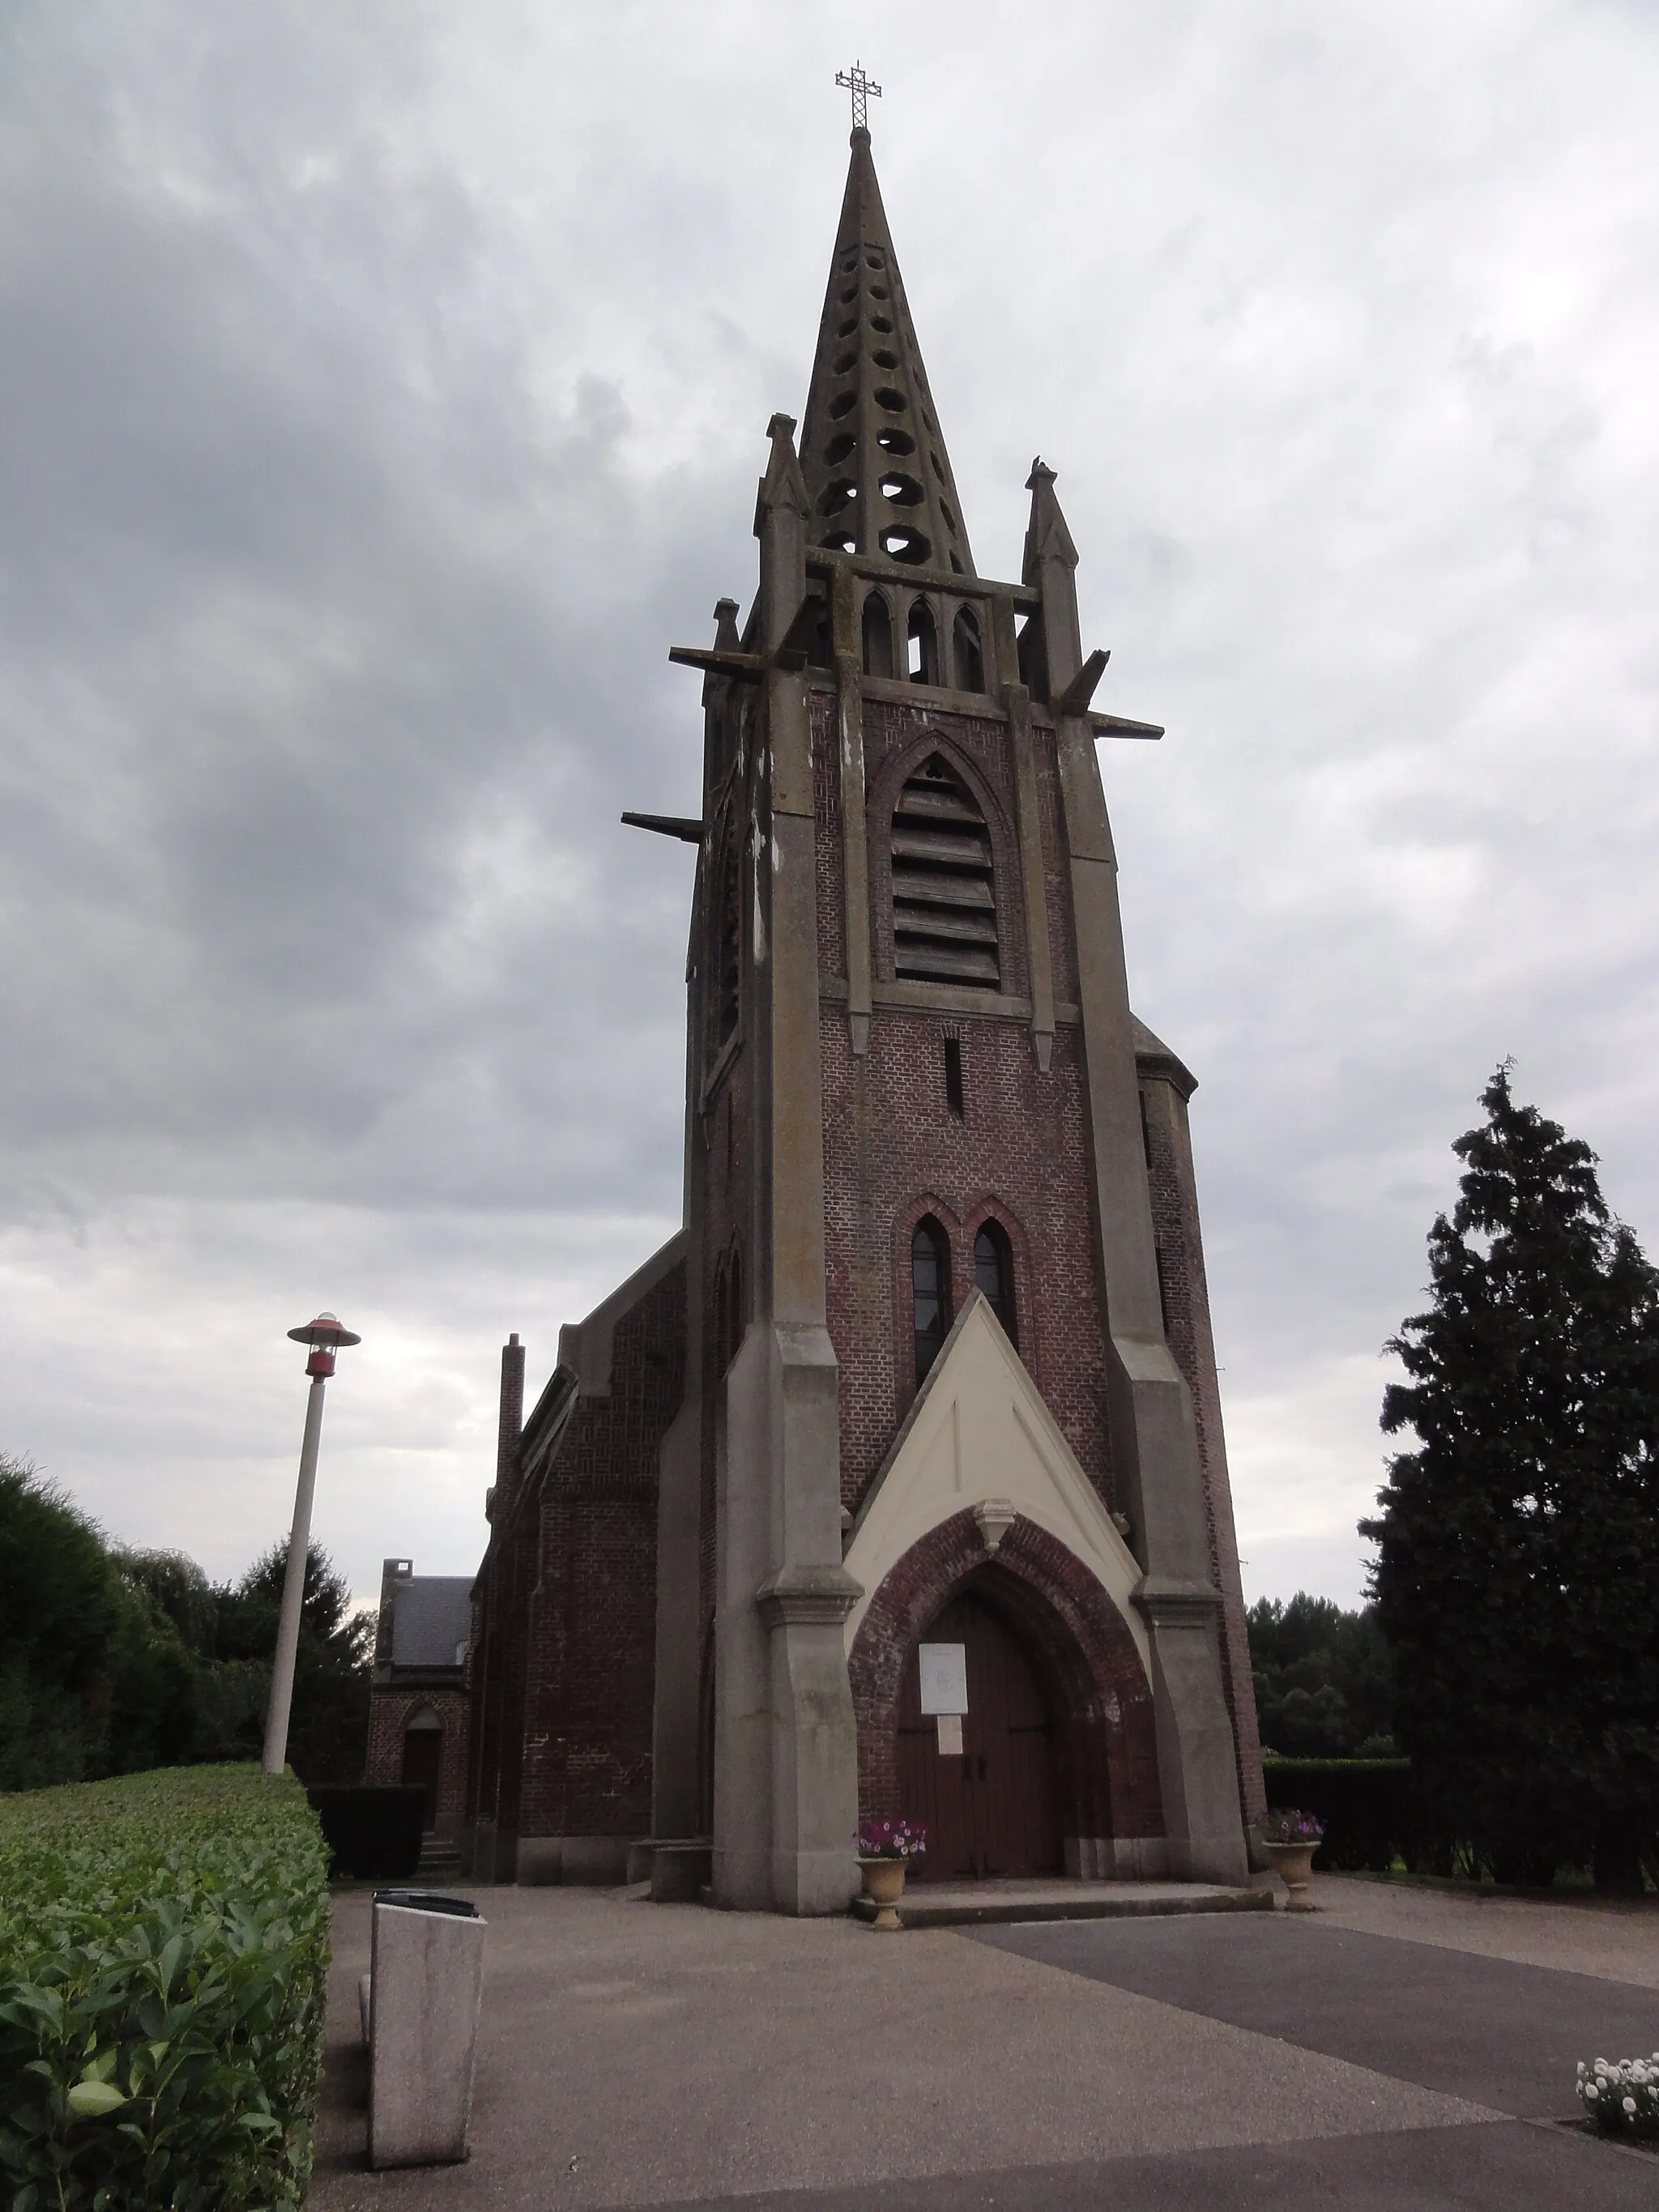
1500	2034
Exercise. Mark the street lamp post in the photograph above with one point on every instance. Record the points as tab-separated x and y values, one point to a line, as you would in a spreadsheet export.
325	1337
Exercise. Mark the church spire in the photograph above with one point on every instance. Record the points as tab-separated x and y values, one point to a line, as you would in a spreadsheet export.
876	473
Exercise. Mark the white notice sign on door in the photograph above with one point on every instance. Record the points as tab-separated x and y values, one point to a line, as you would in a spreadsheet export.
944	1677
950	1734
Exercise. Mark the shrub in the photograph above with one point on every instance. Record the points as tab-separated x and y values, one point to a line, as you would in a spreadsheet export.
163	1958
60	1615
1367	1805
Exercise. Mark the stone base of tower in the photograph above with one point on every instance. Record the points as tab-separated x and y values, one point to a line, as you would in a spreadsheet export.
785	1751
1197	1773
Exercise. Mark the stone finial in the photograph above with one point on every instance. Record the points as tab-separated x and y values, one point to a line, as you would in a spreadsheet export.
1047	538
994	1518
781	486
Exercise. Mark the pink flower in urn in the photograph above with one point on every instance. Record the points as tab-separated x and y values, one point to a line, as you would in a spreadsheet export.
892	1839
1286	1825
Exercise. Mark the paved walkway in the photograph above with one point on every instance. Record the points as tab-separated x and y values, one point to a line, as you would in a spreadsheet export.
1402	2049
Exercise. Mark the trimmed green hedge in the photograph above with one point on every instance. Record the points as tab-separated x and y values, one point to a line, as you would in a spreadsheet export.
163	1962
1368	1806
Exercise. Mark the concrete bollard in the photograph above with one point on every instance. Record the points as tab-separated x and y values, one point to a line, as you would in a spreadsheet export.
426	1987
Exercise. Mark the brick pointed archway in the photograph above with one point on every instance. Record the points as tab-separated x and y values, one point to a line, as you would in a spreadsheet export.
1111	1815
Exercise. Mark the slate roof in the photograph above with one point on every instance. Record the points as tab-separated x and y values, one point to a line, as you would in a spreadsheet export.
432	1621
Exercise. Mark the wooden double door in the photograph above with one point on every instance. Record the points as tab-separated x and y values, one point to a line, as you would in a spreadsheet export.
993	1809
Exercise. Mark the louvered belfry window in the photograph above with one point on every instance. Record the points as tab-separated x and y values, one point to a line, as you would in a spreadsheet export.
945	918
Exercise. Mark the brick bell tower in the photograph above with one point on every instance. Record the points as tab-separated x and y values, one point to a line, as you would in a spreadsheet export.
948	1334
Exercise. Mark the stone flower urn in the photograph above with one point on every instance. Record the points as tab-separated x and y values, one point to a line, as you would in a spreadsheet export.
883	1885
1293	1863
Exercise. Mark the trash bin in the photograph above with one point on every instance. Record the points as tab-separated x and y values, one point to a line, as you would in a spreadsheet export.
426	1985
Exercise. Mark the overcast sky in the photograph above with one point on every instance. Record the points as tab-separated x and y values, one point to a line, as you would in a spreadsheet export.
383	388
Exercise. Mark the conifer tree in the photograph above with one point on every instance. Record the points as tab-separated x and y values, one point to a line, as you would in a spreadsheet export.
1518	1580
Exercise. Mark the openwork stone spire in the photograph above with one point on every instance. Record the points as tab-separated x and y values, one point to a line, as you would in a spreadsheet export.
878	475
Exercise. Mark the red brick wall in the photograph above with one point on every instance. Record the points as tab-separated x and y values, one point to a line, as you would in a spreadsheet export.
564	1657
894	1151
590	1625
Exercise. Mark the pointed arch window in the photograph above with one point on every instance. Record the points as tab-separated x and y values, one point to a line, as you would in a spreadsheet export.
922	657
969	652
736	1315
993	1272
728	947
930	1291
720	1318
945	921
730	1319
878	636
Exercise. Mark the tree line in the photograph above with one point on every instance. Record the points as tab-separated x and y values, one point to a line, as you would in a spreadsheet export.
113	1659
1324	1684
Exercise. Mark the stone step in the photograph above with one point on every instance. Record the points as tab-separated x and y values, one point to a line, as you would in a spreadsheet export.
439	1860
982	1903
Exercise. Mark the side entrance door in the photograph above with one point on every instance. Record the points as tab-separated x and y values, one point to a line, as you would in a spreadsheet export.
424	1751
991	1810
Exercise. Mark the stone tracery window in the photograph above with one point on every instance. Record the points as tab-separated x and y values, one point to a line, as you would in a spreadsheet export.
969	652
878	636
923	656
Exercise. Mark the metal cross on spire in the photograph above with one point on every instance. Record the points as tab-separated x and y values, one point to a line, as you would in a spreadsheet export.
863	92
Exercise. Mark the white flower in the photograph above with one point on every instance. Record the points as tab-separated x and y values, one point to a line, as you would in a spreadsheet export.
1591	2090
1629	2106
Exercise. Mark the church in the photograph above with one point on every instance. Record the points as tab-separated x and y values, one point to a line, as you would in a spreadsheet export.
893	1485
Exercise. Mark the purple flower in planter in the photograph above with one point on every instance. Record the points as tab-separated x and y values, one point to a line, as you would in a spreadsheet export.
1286	1825
892	1839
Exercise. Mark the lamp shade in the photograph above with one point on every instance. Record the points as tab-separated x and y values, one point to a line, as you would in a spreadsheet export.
325	1337
324	1334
